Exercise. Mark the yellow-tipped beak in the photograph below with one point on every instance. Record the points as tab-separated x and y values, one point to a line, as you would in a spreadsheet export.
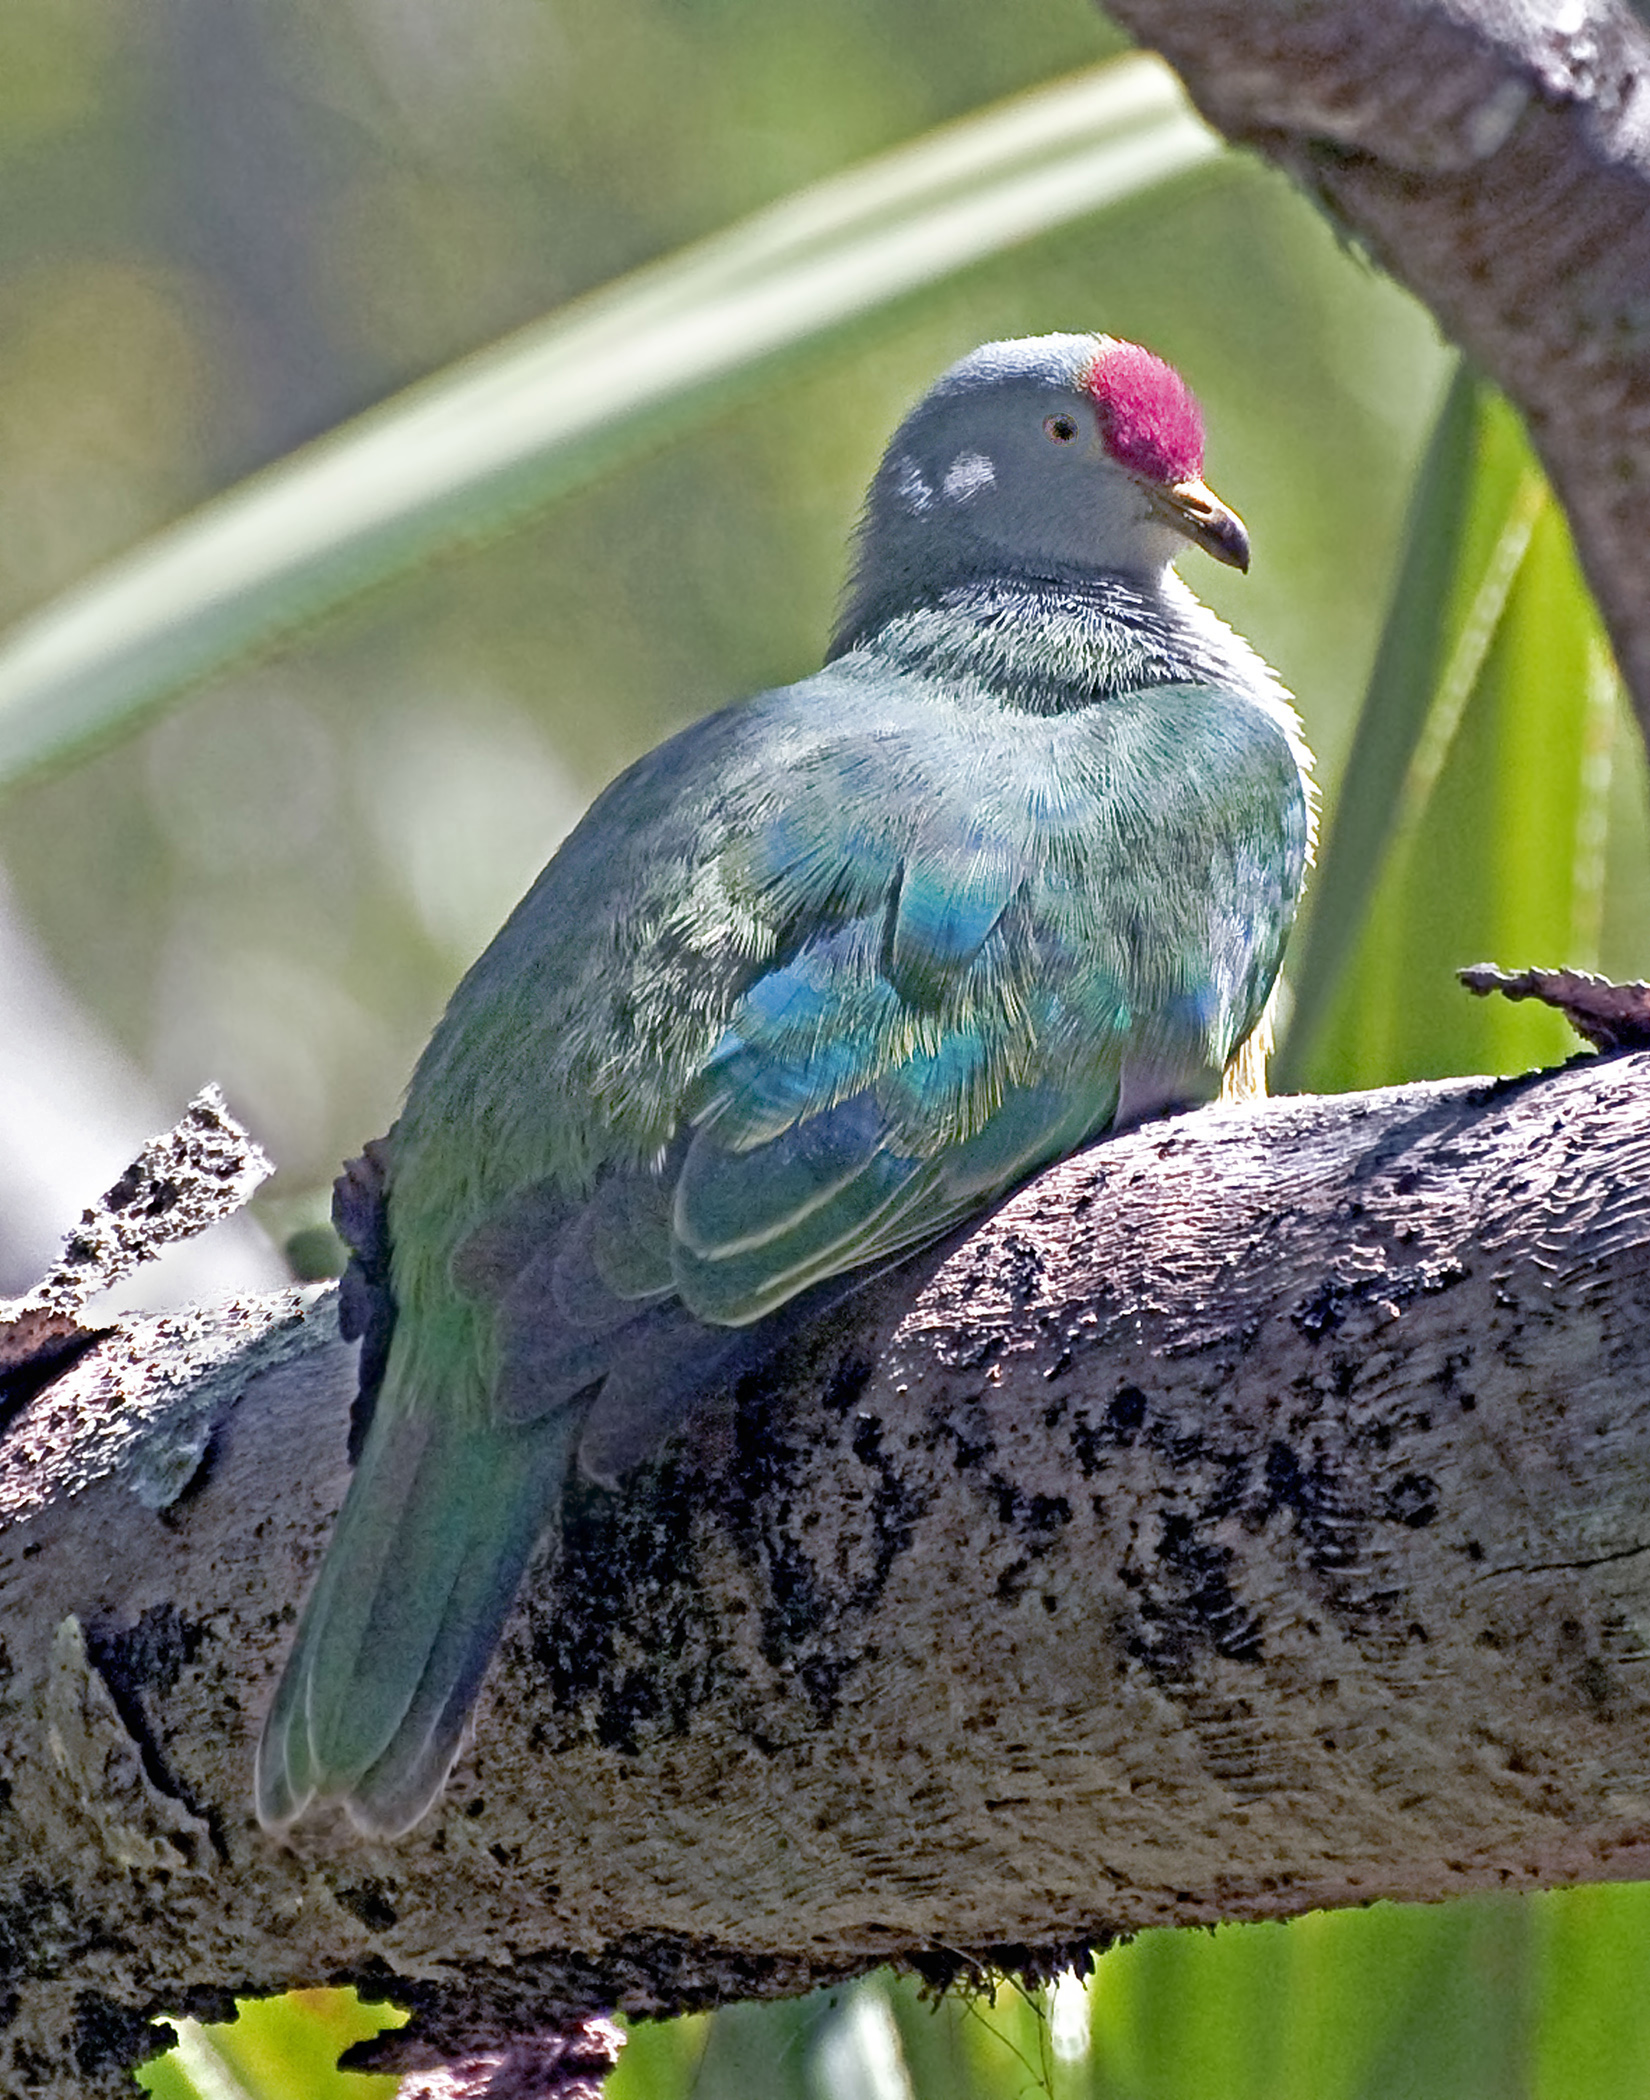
1194	509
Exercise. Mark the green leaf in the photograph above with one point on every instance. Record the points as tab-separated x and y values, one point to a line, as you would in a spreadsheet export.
1472	819
1592	1969
1458	540
1347	2005
525	422
278	2049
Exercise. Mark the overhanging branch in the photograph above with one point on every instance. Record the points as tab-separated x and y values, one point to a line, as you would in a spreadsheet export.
1250	1516
1495	157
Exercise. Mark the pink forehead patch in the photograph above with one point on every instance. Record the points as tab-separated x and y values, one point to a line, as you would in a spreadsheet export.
1149	416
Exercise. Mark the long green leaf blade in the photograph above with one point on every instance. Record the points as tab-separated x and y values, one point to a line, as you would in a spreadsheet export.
517	426
1468	524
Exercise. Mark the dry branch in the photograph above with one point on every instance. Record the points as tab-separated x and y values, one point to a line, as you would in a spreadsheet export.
1250	1516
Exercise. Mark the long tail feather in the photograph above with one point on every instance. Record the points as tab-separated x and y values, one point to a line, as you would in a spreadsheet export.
394	1792
439	1523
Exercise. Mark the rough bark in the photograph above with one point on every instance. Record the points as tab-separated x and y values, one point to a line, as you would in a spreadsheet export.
1494	155
1249	1516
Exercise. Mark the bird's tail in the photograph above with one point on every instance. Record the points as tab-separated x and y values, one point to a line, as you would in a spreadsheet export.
440	1521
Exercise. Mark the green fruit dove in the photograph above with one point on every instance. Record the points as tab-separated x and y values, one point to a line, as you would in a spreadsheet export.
811	984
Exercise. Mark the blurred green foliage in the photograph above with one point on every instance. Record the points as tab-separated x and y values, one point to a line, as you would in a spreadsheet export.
234	222
278	2049
279	883
555	405
1496	792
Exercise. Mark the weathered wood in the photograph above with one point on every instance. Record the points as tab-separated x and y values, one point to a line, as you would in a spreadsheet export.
1250	1516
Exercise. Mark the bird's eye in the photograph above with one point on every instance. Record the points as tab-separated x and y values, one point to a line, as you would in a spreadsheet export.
1062	429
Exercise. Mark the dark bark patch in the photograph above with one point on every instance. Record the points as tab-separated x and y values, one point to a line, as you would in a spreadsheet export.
40	1930
1035	1518
812	1604
148	1657
369	1901
1413	1501
1186	1606
896	1507
141	1665
109	2036
624	1636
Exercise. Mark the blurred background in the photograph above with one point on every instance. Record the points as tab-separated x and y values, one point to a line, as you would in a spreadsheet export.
230	225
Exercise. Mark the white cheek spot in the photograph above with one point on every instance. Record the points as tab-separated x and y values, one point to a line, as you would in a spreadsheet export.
967	474
912	488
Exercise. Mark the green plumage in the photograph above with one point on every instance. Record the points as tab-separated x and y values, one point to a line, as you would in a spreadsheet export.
810	984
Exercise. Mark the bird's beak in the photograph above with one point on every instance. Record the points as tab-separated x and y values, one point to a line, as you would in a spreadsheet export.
1194	509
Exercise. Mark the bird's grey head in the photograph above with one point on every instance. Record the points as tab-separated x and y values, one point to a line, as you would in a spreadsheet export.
1058	456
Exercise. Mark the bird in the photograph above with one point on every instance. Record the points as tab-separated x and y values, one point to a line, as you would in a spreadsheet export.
822	977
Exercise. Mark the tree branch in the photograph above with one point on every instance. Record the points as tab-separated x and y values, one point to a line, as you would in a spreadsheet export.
1248	1517
1494	155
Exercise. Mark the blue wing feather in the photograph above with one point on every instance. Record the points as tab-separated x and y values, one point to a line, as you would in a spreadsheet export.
1101	927
947	906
